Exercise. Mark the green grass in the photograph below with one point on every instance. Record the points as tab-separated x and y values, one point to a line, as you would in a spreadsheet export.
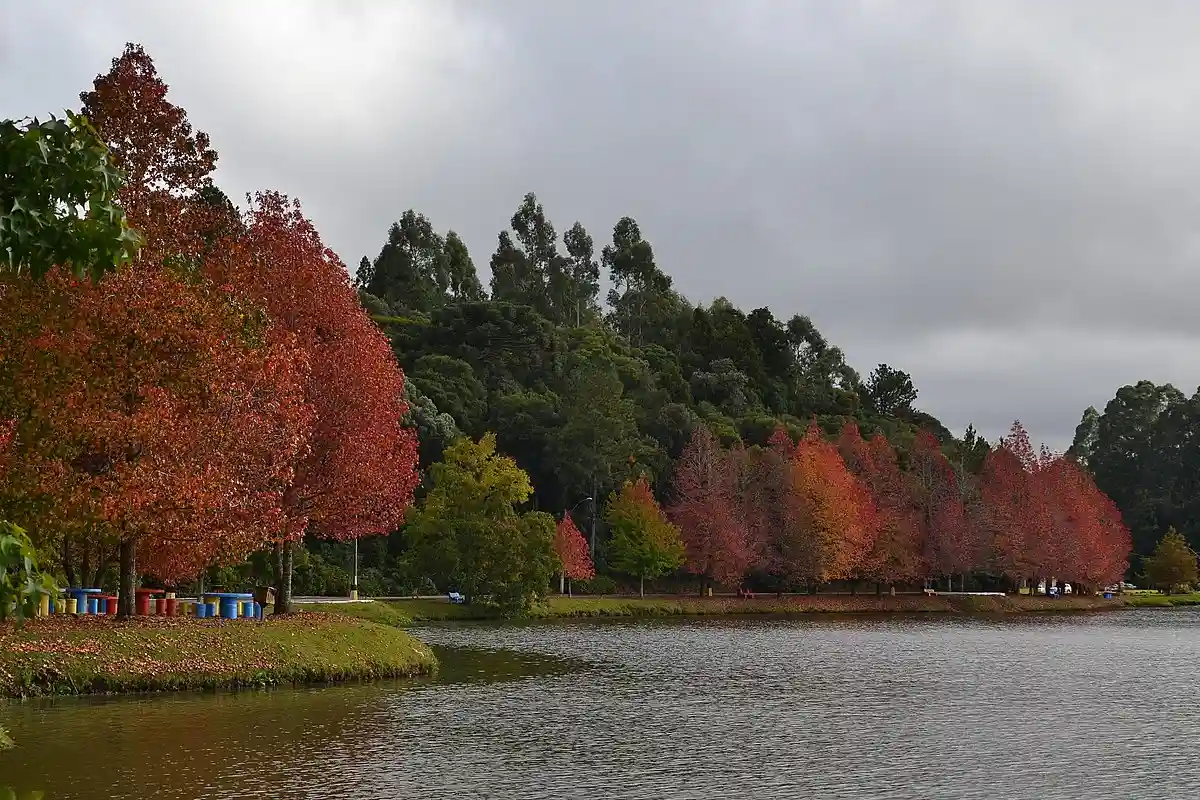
406	612
68	655
1148	600
381	613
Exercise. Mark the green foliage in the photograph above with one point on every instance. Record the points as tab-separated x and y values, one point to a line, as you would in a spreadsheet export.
452	386
57	190
1173	564
469	536
601	584
644	544
21	583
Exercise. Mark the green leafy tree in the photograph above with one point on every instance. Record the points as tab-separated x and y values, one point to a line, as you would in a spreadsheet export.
451	384
469	535
21	582
57	200
890	391
1086	433
641	297
418	269
1173	564
598	444
644	543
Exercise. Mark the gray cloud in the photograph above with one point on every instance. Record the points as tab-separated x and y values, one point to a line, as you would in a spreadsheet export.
996	197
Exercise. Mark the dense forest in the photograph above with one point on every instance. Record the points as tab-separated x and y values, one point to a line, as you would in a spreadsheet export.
1145	455
586	393
235	391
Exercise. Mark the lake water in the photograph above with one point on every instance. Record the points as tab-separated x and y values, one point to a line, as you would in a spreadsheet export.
1098	706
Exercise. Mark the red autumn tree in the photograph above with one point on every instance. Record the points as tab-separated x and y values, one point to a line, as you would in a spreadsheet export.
167	164
1085	542
150	421
360	472
1016	508
835	511
895	553
772	509
155	418
573	555
939	501
705	509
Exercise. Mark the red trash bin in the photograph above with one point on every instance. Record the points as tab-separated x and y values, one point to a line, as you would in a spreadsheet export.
142	603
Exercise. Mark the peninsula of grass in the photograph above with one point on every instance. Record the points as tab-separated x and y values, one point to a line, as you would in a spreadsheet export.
416	611
90	655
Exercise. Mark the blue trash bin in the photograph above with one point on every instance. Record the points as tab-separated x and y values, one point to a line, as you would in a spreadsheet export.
258	611
1108	595
91	605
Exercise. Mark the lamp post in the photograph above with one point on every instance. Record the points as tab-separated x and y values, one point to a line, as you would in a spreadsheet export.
570	511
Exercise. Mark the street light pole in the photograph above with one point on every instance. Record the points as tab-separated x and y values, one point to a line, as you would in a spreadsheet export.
570	511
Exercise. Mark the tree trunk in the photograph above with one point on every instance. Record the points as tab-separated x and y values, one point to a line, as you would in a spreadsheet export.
101	567
878	589
283	592
126	604
85	567
68	561
569	589
562	580
641	586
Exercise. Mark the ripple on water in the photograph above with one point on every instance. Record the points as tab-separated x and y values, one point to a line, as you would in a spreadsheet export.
858	707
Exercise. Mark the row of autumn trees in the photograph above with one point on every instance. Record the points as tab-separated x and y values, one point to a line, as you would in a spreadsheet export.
805	513
813	511
223	393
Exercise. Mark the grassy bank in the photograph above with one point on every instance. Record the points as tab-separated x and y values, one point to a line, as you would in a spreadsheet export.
406	612
1153	600
95	655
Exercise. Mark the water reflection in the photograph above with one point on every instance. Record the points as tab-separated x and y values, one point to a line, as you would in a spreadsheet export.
714	708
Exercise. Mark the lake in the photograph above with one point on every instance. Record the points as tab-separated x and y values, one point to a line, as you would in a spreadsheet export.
1100	705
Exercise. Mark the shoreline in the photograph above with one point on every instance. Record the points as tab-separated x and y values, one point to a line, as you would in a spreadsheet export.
97	655
403	613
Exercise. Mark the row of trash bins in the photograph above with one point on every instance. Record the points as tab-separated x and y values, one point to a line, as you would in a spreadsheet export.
227	605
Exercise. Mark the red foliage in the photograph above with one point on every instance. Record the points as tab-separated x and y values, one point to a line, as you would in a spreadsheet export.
947	529
148	417
166	163
836	511
1086	541
572	551
706	509
896	551
360	472
1047	518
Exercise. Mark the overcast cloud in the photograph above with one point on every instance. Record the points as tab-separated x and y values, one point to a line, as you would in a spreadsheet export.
999	197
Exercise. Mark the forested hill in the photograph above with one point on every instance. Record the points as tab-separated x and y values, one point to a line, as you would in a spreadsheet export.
1145	454
585	391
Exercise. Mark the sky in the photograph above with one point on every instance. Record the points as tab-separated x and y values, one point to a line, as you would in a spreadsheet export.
1000	198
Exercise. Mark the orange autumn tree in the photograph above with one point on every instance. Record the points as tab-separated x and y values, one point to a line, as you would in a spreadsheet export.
572	549
151	420
357	475
153	417
1015	508
836	512
895	553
